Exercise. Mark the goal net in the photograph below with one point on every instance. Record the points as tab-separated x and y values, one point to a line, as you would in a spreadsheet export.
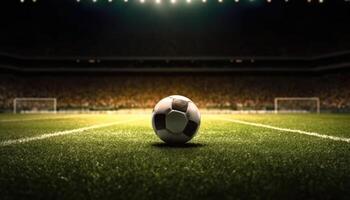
297	105
35	105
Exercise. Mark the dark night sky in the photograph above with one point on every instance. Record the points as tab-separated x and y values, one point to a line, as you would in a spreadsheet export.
67	28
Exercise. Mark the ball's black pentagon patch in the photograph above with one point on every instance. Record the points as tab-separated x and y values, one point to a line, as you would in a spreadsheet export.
191	128
180	105
159	121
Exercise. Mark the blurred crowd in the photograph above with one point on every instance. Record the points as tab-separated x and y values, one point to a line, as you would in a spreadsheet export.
238	92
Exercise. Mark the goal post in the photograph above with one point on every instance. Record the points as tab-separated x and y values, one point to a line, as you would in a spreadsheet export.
35	105
298	104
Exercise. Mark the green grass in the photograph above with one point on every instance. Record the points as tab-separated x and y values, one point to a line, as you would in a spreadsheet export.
127	161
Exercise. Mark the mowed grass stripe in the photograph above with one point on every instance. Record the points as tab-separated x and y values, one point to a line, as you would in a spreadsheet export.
34	119
38	118
61	133
335	138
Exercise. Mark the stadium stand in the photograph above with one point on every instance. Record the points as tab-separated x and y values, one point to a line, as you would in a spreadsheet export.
237	92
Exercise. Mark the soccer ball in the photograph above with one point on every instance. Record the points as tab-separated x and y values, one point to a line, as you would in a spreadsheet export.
176	119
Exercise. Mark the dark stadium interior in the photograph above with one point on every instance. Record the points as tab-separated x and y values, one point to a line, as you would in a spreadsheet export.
66	28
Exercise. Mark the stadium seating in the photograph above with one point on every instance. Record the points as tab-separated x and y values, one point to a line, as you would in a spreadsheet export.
246	92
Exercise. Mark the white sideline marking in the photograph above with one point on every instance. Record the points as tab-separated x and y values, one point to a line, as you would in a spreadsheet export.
60	133
335	138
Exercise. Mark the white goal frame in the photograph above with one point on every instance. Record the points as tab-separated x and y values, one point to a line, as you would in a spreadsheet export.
316	99
16	100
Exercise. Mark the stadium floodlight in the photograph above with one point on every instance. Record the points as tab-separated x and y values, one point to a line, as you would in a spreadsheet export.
35	105
297	104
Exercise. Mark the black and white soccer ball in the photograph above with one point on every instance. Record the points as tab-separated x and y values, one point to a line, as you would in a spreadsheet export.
176	119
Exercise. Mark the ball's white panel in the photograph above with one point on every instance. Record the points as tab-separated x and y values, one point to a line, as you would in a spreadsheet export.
163	106
176	121
193	113
169	137
180	97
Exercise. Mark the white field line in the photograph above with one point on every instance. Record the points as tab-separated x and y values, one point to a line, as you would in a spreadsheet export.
335	138
61	133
